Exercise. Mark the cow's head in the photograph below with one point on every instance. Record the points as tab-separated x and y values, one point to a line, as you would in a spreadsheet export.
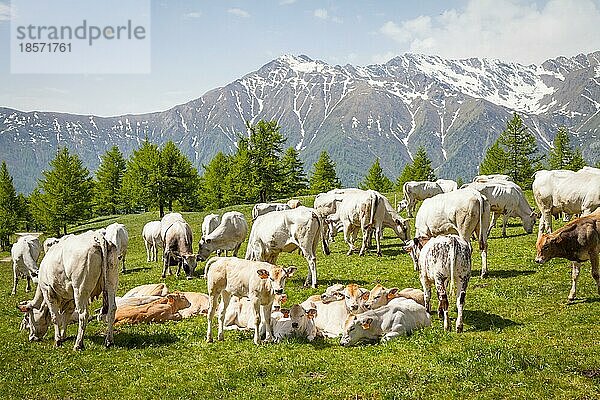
276	277
413	248
333	293
529	222
357	328
354	297
402	228
36	320
177	301
188	261
402	205
299	316
544	248
379	297
278	301
205	248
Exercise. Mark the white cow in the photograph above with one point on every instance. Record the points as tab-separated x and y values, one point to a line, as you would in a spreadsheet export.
492	177
240	313
506	199
49	242
177	239
117	234
209	224
152	240
417	191
74	272
259	281
24	254
399	317
447	185
443	260
286	231
300	323
463	212
565	191
265	208
228	235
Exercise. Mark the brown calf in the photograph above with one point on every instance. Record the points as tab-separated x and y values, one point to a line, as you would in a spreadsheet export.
161	310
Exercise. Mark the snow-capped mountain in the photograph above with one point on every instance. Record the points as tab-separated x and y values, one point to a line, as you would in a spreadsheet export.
455	108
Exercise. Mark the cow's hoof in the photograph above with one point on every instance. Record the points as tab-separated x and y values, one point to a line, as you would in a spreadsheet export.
78	347
108	344
209	340
459	329
571	298
484	274
13	293
379	254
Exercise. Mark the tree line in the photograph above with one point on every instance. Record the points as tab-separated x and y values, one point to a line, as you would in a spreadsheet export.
260	170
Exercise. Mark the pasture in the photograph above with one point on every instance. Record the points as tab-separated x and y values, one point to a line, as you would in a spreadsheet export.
522	339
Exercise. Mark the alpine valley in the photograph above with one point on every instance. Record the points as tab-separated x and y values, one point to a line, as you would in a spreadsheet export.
454	108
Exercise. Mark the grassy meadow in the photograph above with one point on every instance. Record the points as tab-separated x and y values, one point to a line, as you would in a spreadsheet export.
522	339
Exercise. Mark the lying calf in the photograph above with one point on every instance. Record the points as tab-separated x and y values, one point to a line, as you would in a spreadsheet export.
298	323
380	296
161	310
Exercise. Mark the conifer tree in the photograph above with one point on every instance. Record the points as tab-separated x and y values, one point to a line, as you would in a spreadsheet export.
419	170
324	177
495	161
179	179
212	193
109	181
265	146
142	182
293	178
239	187
9	207
562	155
376	179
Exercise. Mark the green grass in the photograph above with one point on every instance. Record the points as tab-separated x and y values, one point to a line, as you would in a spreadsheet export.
522	339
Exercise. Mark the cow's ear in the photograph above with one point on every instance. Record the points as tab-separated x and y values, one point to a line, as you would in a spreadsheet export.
24	307
392	293
366	324
170	300
311	313
365	296
285	312
283	298
263	273
290	271
208	240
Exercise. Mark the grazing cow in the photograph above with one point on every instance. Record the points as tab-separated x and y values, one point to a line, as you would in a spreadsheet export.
577	241
447	185
209	223
161	310
463	212
565	191
417	191
294	203
229	235
24	254
265	208
152	240
300	323
287	231
117	234
259	281
74	272
49	242
443	260
506	199
399	317
177	239
492	177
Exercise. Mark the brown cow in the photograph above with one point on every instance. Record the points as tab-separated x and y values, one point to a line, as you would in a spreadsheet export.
578	241
161	310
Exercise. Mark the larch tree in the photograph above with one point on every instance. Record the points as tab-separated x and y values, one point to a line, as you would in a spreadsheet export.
265	146
142	182
562	155
212	193
293	181
419	170
109	182
324	177
376	179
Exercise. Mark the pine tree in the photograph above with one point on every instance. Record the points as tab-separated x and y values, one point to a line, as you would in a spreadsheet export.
495	161
179	179
109	182
562	155
376	179
324	177
9	207
419	170
521	148
66	192
265	146
212	194
293	180
142	180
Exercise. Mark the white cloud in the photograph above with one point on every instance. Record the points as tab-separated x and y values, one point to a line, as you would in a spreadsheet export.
4	12
192	15
383	58
323	14
515	30
239	12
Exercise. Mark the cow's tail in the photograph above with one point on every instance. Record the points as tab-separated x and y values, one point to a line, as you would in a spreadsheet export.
482	229
452	252
103	244
374	203
321	232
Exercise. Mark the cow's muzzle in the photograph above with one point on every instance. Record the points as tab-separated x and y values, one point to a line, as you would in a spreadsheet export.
279	291
539	260
295	325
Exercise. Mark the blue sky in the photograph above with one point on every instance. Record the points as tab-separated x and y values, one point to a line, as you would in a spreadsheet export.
199	45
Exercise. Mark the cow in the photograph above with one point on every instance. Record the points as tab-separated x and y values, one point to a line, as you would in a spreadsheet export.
150	289
74	272
259	281
177	239
492	178
417	191
577	241
209	223
160	310
447	185
443	260
240	313
49	242
299	323
287	231
564	191
198	304
463	212
24	253
294	203
379	296
117	234
399	317
506	199
152	240
265	208
228	235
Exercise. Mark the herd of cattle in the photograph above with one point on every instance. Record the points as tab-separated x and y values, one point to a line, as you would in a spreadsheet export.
249	293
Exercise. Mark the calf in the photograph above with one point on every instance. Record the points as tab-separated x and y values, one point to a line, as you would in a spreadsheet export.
380	296
300	323
259	281
198	304
24	254
240	313
399	317
228	235
161	310
577	241
152	240
117	234
294	203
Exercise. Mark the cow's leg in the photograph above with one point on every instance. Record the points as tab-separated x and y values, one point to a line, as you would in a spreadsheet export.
81	307
15	279
397	330
212	307
266	318
378	236
236	249
574	275
492	223
225	297
461	291
256	314
311	278
28	287
348	238
165	263
154	249
595	269
147	245
123	259
440	287
55	317
110	317
366	237
504	223
426	284
484	268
